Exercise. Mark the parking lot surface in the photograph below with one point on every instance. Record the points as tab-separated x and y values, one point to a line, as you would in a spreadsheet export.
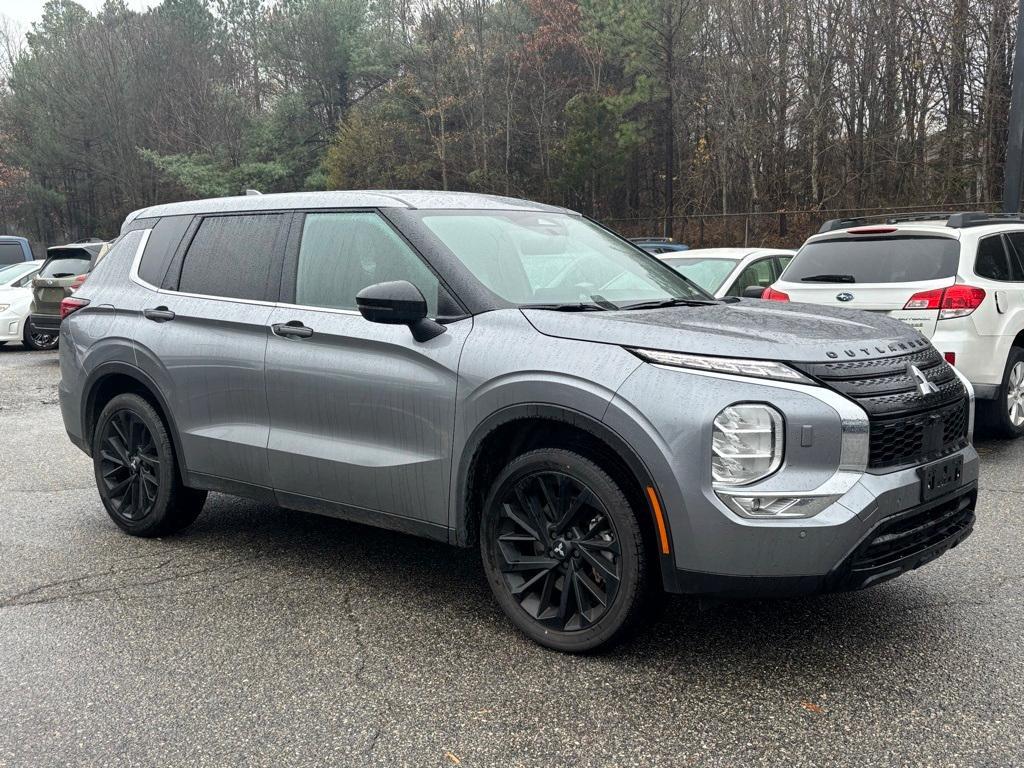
266	637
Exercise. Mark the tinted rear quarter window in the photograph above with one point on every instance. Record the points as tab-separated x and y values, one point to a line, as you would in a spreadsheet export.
875	260
161	246
991	261
11	253
233	257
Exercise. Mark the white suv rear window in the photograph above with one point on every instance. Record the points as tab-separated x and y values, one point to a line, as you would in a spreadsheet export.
875	260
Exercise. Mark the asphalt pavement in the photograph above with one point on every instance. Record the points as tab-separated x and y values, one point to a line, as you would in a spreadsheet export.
265	637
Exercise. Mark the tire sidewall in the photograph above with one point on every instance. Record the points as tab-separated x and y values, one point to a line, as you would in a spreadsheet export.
615	620
26	337
1003	423
144	411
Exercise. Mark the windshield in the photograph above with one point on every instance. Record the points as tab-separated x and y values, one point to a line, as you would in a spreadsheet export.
13	273
531	259
874	260
709	274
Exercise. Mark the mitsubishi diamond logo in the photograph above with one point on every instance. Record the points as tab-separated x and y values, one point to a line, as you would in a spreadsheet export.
924	387
844	296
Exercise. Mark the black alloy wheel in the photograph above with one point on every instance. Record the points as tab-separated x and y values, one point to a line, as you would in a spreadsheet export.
129	466
559	551
563	551
136	469
38	340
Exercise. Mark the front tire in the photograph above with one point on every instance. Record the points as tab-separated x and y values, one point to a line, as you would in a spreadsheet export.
137	472
38	341
563	551
1005	414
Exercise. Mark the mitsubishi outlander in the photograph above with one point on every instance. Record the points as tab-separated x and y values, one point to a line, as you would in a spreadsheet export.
496	373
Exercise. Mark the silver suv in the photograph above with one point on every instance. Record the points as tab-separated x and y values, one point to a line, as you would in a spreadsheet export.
497	373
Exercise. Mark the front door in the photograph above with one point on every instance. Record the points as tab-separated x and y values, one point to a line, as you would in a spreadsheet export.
361	413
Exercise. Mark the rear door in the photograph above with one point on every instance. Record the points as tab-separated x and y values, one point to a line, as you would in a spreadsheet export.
203	337
361	413
876	273
998	270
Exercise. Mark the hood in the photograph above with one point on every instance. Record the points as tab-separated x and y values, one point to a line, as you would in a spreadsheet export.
752	329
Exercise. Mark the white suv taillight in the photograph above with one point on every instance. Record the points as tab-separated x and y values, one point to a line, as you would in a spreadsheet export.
955	301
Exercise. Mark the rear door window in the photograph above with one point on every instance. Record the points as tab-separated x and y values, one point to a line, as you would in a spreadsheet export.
11	253
234	257
991	261
894	259
1015	251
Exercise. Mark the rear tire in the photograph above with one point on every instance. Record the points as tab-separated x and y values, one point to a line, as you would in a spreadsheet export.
563	552
137	472
38	341
1004	416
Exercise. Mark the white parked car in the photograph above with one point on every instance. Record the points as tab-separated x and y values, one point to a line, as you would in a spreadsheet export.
729	271
15	300
957	278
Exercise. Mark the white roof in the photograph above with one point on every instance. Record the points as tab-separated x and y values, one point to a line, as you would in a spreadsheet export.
425	199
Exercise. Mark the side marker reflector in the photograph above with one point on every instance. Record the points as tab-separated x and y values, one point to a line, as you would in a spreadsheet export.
659	518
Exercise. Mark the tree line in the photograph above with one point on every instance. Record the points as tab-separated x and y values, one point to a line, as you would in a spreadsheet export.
640	112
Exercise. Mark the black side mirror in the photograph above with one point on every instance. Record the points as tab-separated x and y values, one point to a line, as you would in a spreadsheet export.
753	292
398	303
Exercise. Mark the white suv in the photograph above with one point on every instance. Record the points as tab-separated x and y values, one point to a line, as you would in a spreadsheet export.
957	278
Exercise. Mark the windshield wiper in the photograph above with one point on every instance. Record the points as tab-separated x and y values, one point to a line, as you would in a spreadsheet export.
579	306
828	279
677	302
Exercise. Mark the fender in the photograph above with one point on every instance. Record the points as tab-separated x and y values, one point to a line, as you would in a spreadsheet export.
140	376
462	525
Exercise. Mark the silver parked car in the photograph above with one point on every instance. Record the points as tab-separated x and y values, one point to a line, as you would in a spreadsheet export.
497	373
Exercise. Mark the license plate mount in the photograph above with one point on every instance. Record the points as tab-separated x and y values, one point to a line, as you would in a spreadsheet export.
940	477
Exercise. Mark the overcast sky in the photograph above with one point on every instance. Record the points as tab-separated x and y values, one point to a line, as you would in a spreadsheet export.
24	12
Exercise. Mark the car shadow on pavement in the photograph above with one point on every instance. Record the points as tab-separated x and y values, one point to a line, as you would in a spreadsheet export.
688	633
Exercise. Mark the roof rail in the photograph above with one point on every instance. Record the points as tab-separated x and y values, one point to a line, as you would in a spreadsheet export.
980	218
919	216
833	224
650	239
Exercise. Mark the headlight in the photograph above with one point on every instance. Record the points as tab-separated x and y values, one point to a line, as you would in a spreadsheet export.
747	444
759	369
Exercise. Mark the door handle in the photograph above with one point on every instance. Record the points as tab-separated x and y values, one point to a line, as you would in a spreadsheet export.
293	329
158	314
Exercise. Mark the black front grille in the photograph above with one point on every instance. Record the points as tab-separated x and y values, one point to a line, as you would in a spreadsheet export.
912	538
906	426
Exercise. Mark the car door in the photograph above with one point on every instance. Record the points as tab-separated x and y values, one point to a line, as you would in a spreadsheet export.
202	337
361	413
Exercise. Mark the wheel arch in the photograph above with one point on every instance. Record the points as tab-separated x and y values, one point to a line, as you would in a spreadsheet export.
113	378
516	429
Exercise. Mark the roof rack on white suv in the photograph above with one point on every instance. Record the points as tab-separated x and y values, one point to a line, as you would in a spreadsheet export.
954	219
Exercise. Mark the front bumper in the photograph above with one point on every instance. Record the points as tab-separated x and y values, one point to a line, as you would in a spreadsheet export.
715	550
44	324
896	544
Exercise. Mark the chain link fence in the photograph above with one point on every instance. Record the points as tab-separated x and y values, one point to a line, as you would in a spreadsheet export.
768	229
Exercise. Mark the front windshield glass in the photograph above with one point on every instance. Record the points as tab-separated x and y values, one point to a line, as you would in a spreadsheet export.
709	274
530	259
13	272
